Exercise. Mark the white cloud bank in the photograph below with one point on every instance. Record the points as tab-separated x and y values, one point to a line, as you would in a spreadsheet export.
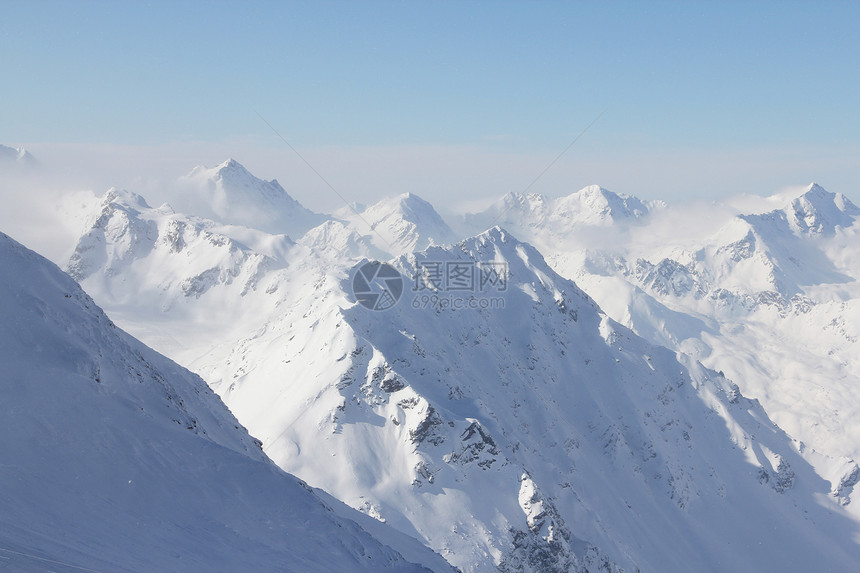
454	178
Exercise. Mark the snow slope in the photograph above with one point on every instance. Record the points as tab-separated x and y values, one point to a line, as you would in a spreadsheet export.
771	299
780	292
113	458
541	436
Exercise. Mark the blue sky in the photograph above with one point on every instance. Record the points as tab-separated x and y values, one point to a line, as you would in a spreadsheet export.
452	99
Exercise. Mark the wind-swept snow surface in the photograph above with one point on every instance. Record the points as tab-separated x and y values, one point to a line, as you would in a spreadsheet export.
113	458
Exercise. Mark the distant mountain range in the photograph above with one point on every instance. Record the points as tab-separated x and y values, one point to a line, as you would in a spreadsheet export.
577	386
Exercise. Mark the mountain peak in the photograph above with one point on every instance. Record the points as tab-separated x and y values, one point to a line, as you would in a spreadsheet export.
596	205
230	170
17	155
124	197
402	223
815	187
231	194
815	194
508	209
499	245
590	206
388	228
231	167
524	200
413	203
592	190
818	211
496	234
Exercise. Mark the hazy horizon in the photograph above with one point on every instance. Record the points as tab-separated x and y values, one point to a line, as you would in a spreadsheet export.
460	103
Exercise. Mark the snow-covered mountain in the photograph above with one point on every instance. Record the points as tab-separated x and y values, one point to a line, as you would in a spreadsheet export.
534	435
398	225
771	299
114	458
16	156
228	193
148	265
770	257
339	239
781	252
127	232
533	432
592	206
819	212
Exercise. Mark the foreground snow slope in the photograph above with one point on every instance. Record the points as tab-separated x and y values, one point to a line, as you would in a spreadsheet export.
113	458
